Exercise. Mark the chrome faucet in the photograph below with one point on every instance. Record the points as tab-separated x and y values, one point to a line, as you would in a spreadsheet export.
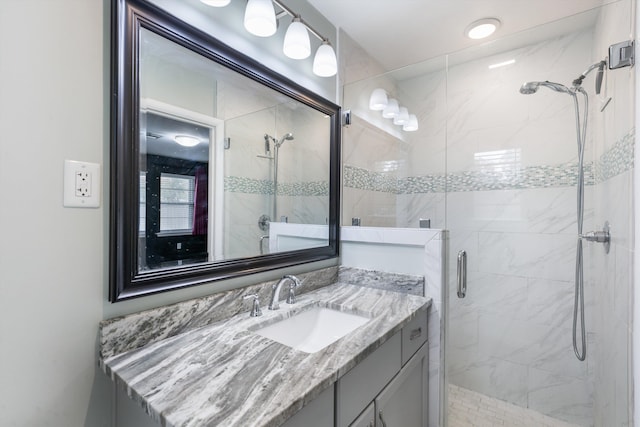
275	296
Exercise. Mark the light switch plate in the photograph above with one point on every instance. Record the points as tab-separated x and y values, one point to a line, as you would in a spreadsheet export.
81	184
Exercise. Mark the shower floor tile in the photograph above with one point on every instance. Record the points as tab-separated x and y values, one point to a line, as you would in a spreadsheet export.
470	409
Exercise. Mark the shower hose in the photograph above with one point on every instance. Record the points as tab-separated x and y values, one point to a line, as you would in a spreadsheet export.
578	303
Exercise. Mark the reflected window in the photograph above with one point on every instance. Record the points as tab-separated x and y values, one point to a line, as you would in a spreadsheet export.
176	203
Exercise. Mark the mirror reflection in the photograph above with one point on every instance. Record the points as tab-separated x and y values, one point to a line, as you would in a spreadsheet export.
229	168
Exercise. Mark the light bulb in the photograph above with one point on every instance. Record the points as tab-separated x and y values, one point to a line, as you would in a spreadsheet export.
260	18
391	110
325	63
412	124
216	3
378	100
402	117
296	40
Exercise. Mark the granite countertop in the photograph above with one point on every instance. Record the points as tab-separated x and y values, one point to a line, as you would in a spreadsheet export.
222	374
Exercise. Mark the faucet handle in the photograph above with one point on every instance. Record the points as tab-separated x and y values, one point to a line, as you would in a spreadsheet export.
255	308
295	282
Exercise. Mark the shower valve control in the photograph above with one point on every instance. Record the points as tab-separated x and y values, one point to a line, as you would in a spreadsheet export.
599	236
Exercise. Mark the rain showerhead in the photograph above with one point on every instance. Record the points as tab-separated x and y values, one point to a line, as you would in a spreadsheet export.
532	87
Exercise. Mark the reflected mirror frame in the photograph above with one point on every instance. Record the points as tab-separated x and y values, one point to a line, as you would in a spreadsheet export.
125	282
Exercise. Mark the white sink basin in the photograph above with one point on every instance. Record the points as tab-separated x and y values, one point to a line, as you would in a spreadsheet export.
314	329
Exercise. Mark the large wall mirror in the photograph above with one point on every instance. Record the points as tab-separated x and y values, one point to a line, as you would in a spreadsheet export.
219	166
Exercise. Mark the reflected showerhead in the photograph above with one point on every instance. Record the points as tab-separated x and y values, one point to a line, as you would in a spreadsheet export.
286	137
529	87
532	87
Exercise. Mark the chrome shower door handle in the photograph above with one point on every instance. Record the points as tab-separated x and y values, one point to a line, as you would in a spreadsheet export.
462	274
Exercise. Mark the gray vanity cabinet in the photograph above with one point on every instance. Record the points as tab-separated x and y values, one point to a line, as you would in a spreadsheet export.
393	379
404	401
367	418
317	413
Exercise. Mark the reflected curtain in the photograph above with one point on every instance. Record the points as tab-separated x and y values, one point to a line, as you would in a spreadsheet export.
201	202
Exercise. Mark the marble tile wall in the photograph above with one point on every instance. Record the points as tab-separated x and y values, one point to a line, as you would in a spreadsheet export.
611	278
303	188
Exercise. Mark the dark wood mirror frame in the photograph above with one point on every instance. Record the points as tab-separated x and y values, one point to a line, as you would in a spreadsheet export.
128	17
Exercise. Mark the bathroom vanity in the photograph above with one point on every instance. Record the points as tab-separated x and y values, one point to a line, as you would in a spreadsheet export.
225	373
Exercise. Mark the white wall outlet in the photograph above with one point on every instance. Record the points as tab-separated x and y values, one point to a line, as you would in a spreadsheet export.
81	184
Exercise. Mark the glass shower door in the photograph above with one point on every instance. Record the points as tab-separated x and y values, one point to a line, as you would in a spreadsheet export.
512	166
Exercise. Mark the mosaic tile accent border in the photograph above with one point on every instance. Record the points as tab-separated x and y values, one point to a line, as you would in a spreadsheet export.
618	159
364	179
239	184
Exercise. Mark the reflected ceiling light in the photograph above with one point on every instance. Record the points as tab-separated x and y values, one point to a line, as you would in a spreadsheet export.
378	100
402	117
412	124
216	3
325	63
296	40
482	28
186	140
260	18
502	64
391	110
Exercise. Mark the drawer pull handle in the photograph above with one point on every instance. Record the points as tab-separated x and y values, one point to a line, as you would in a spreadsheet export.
415	333
382	419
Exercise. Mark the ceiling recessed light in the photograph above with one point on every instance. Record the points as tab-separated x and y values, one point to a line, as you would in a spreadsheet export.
482	28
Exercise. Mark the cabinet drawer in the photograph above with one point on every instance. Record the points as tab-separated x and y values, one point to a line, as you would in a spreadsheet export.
414	334
358	387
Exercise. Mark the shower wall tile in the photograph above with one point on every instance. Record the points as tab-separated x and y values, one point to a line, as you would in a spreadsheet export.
494	294
413	207
549	303
503	380
549	210
566	398
374	208
545	256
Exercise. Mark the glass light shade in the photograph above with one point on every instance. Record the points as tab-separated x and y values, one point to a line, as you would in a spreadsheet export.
216	3
325	63
186	140
391	110
260	18
378	100
296	41
402	117
482	28
412	124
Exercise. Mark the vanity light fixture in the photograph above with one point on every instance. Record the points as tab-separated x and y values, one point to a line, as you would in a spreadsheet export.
412	124
378	100
296	40
482	28
216	3
260	18
325	63
391	110
186	140
402	117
